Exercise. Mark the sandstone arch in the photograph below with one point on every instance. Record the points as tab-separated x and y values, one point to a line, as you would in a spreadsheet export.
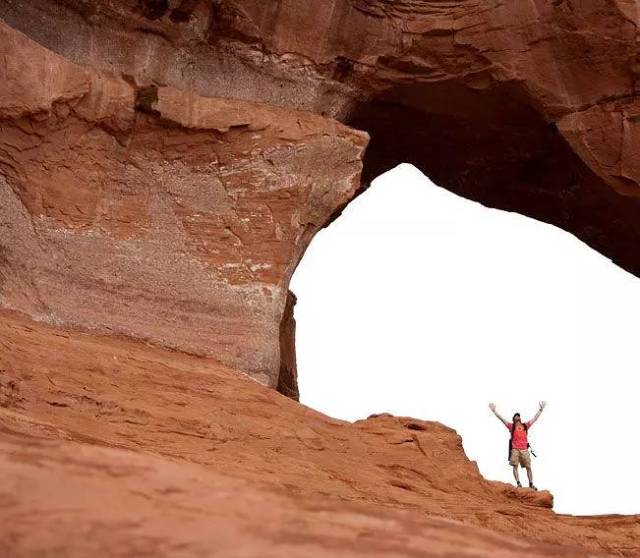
164	164
527	106
503	154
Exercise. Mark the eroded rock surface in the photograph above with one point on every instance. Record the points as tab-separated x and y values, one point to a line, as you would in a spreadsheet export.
189	146
112	446
155	213
163	166
528	106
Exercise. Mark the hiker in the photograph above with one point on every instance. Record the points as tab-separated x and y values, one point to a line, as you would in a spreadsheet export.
519	443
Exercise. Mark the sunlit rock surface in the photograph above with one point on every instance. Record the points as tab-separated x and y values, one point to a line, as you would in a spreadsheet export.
164	165
113	447
157	214
196	203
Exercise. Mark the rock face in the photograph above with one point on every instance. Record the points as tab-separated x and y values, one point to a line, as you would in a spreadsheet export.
191	147
155	213
163	166
528	106
113	447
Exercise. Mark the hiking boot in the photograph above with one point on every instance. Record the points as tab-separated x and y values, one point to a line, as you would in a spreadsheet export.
519	485
532	487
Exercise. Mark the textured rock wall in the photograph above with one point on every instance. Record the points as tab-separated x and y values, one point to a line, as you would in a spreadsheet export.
288	374
157	214
163	166
527	106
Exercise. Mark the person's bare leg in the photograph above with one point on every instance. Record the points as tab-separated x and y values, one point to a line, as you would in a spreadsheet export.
530	477
516	475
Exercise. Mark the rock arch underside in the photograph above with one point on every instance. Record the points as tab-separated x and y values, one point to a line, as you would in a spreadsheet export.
163	166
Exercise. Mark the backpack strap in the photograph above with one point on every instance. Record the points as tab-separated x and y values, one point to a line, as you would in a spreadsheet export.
513	427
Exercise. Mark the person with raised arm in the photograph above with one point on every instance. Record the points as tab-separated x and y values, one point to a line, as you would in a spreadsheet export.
519	454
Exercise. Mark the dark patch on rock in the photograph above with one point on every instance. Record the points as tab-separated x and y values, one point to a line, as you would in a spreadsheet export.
183	12
288	377
146	98
153	9
416	426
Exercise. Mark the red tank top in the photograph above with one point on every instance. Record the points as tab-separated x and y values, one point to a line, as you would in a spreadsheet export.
520	440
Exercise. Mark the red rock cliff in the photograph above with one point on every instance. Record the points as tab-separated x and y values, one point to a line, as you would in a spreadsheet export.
155	213
528	106
163	166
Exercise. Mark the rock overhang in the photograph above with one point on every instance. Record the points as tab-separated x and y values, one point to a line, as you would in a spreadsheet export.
525	107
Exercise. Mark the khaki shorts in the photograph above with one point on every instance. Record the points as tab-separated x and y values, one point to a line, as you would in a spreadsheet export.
520	457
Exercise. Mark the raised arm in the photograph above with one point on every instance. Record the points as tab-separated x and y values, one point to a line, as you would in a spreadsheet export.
492	406
543	404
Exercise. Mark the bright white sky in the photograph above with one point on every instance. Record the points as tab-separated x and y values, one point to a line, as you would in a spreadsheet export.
421	303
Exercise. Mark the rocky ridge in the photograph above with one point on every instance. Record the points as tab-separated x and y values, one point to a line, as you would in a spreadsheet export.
116	447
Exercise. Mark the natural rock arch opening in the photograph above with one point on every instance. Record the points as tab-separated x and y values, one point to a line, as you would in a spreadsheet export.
396	328
538	103
492	146
487	142
177	220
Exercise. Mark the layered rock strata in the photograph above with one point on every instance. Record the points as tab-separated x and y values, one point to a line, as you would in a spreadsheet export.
201	132
157	214
111	446
163	166
527	106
